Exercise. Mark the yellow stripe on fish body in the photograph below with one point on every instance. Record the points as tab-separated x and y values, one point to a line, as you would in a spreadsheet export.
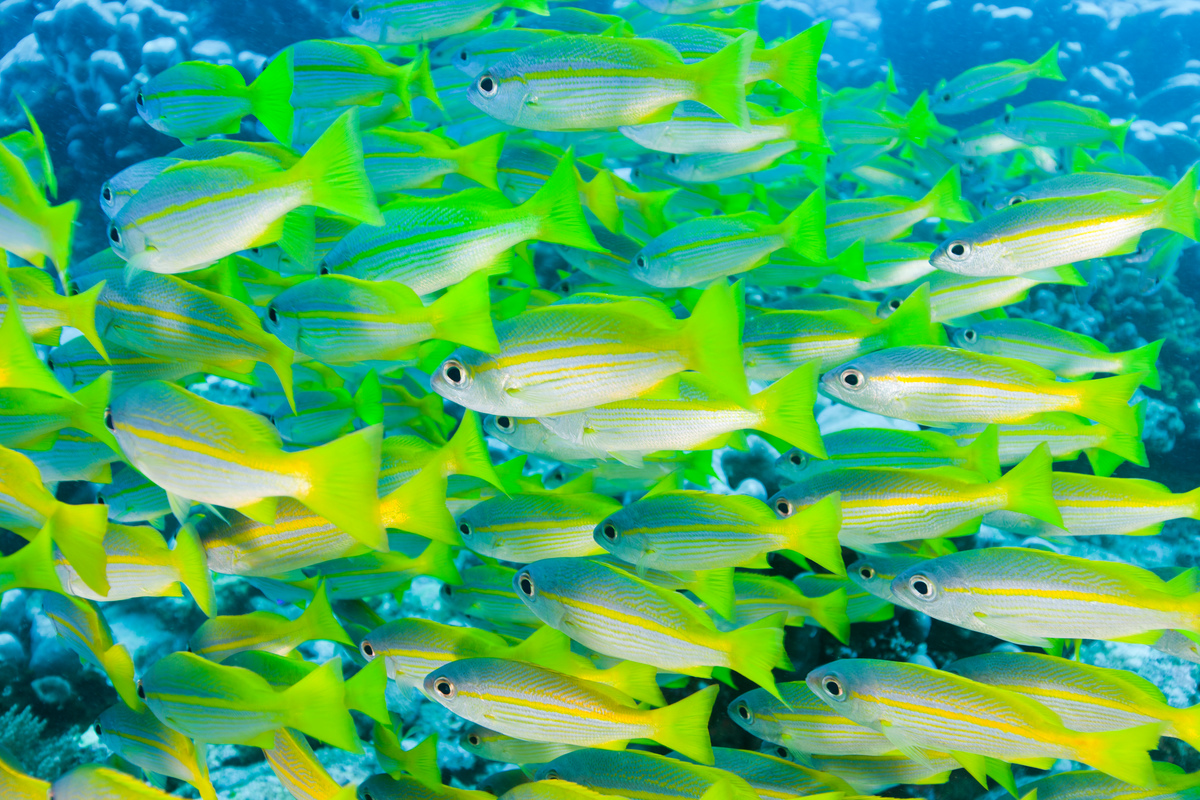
489	744
646	776
801	721
487	593
297	768
94	782
523	528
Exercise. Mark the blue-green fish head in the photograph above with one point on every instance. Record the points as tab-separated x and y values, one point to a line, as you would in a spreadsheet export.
975	340
860	383
501	92
842	686
971	255
620	535
752	712
539	583
282	321
460	380
126	239
875	573
923	587
149	108
365	21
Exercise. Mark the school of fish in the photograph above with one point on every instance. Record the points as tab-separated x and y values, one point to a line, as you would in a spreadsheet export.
506	277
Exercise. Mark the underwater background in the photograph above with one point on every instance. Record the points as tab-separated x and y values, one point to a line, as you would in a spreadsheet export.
78	64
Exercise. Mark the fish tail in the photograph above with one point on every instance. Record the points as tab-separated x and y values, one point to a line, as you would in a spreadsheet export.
1028	487
720	79
787	409
437	561
804	127
81	315
945	201
478	160
829	610
118	666
463	315
88	416
420	761
58	225
1107	401
1145	360
814	533
79	533
365	690
39	140
368	400
191	561
202	781
653	208
318	622
714	588
342	478
556	208
912	322
756	649
1119	132
31	567
983	454
639	681
920	122
271	97
298	237
794	63
713	335
804	228
1178	207
546	647
600	196
1123	754
467	452
334	168
851	262
1047	66
1119	447
417	81
25	370
539	7
317	706
419	506
683	726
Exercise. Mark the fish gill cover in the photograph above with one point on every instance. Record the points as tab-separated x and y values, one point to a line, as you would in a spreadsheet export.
660	399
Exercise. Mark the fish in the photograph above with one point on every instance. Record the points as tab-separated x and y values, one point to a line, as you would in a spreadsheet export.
1095	785
405	787
31	419
538	704
31	148
160	229
872	774
695	128
861	605
137	736
875	574
1067	436
363	690
44	312
482	51
132	497
773	776
195	697
859	125
420	761
1030	596
701	168
900	449
630	81
487	595
757	597
614	612
934	385
399	160
1067	354
1043	234
882	219
331	74
202	451
1078	184
551	790
981	86
527	527
570	357
94	782
489	744
31	567
297	768
1054	123
75	456
954	297
83	629
405	21
16	783
644	774
32	228
376	572
919	708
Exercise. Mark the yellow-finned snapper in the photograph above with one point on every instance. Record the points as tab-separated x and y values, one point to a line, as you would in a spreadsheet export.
406	787
953	297
692	413
136	735
887	504
1065	353
702	168
1095	506
613	612
703	249
890	447
405	21
489	744
217	704
31	419
487	594
858	125
27	507
44	312
802	722
329	74
32	228
532	436
638	773
138	563
890	264
374	573
78	362
919	709
1092	785
219	638
869	775
569	357
861	605
534	703
772	776
431	243
778	341
695	128
692	530
400	160
1030	597
628	81
1042	234
420	761
31	148
302	775
84	629
1054	123
882	219
342	320
526	527
1087	698
94	782
31	567
465	454
482	51
875	573
983	85
1078	184
196	212
939	385
196	99
205	452
757	597
363	690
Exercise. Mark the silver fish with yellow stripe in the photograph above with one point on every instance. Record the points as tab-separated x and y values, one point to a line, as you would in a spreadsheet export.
140	738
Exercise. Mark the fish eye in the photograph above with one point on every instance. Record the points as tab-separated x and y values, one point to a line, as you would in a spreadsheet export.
445	687
487	85
50	362
97	729
552	775
922	587
356	15
140	99
743	711
782	752
454	373
505	424
106	193
462	54
1016	199
464	529
272	314
866	572
610	532
473	740
852	379
108	419
795	458
447	589
958	250
100	499
674	159
894	303
955	140
783	507
833	688
525	584
141	690
114	233
640	260
946	97
367	650
1008	118
969	335
324	270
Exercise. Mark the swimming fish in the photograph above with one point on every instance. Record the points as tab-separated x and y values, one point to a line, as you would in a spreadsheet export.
135	734
32	228
403	21
983	85
900	449
94	782
527	527
489	744
644	774
84	629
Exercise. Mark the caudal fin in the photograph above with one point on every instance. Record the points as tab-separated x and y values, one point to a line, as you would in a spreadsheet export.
79	533
19	363
333	166
921	123
1028	486
419	506
467	453
793	64
912	322
88	416
1123	754
271	97
118	666
804	228
317	706
714	588
1118	447
419	762
1047	66
945	201
683	726
787	409
813	532
58	226
1107	401
478	160
639	681
804	128
1177	208
342	478
829	611
600	197
416	80
365	690
756	649
983	454
191	561
81	315
318	623
1144	360
556	208
545	647
31	567
463	315
721	79
713	338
